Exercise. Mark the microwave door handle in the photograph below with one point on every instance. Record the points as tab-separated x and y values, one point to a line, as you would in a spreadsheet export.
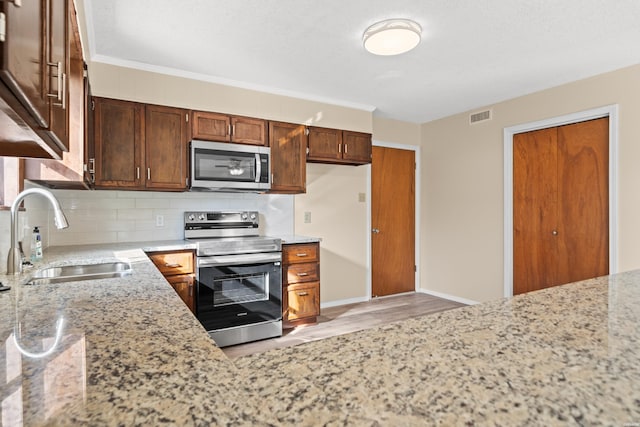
258	168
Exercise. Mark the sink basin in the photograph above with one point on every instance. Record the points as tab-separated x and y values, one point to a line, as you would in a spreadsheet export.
71	273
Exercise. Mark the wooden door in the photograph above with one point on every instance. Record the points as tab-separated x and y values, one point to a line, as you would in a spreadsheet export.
288	144
246	130
58	77
22	54
210	126
393	221
183	285
119	139
324	144
560	205
357	147
166	147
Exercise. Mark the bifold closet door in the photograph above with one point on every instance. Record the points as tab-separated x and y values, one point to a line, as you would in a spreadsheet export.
560	205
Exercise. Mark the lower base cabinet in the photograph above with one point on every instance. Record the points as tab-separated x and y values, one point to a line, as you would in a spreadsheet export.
178	268
300	284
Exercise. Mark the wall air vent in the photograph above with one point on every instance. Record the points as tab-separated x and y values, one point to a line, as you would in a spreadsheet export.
481	116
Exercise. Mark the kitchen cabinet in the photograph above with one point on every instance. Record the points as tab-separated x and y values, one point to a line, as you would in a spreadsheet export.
300	284
227	128
288	144
178	268
140	146
338	146
74	170
34	67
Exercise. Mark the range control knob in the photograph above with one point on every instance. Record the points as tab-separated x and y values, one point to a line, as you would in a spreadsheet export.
253	216
244	216
202	217
191	217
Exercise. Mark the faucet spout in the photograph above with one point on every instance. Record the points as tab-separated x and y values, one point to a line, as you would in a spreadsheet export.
14	261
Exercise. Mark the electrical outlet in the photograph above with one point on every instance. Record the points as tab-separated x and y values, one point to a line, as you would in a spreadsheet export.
307	217
159	221
362	197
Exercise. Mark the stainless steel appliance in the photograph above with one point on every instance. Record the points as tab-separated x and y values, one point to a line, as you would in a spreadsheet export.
238	277
223	166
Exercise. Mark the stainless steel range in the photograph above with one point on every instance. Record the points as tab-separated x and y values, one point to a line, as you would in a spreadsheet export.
238	278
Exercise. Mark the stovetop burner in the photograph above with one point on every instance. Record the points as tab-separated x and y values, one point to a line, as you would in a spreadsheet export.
227	233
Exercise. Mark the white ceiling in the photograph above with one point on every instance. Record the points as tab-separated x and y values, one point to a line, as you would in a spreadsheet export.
472	54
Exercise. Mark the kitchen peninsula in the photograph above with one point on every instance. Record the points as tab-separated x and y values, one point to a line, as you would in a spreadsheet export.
128	351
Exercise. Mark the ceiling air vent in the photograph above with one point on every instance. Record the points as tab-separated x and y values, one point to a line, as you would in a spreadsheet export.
481	116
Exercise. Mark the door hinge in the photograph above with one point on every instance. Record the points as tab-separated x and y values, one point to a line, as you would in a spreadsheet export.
16	3
306	131
3	26
93	105
307	151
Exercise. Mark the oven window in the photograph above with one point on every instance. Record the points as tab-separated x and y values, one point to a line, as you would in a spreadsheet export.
234	289
224	166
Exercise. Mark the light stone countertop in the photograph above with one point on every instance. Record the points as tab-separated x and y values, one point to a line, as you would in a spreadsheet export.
131	353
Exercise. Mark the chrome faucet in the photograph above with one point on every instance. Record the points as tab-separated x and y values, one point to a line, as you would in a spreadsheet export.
14	261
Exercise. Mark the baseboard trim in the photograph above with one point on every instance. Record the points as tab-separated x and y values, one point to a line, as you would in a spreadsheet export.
342	302
447	296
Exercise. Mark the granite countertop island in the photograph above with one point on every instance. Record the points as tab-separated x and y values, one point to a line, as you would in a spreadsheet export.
127	351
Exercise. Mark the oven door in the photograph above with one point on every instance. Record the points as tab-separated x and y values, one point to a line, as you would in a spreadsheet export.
239	290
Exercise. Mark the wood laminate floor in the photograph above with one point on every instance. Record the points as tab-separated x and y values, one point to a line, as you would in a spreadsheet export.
350	318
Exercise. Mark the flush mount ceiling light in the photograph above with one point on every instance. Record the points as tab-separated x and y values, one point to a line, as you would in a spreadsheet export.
392	37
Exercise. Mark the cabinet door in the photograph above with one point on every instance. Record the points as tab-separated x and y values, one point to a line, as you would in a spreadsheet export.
22	57
288	144
183	285
357	147
296	273
303	301
245	130
166	148
210	126
324	144
173	262
58	62
301	252
119	139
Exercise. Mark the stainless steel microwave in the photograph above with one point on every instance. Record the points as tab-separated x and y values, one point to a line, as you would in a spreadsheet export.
223	166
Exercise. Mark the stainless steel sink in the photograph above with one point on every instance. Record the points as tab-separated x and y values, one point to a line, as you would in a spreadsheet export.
71	273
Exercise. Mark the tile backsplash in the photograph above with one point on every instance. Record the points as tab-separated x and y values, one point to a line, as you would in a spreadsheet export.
104	216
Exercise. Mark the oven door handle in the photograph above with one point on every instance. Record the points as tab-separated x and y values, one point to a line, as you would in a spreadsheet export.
263	258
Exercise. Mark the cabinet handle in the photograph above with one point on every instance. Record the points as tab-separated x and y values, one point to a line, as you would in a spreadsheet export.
57	95
346	148
138	172
303	294
233	129
339	148
302	274
302	254
174	265
92	165
190	289
149	174
229	130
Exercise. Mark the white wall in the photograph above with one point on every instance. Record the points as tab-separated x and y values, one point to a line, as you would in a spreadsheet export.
339	218
462	183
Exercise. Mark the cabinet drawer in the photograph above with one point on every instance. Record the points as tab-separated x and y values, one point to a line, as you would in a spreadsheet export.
306	272
170	263
304	300
307	252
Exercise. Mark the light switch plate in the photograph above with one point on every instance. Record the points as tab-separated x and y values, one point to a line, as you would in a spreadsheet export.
159	221
362	197
307	217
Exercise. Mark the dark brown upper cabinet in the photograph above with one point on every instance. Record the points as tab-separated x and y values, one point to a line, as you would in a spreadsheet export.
34	67
140	146
288	144
227	128
338	146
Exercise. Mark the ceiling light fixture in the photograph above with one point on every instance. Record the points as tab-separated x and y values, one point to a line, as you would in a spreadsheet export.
392	37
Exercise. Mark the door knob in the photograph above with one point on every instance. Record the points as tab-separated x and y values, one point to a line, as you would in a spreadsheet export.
554	232
375	230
